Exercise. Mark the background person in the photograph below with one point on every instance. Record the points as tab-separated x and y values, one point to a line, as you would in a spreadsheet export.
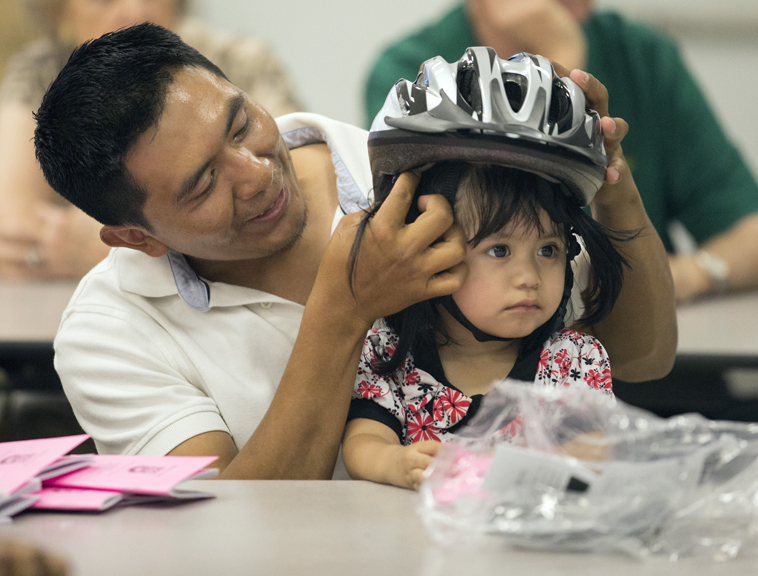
684	166
42	236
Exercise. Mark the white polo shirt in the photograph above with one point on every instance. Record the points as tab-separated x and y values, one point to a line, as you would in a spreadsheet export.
150	355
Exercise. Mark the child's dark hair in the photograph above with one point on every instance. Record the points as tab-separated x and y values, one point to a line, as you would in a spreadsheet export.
490	197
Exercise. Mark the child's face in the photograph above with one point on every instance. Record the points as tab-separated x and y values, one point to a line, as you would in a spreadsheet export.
515	280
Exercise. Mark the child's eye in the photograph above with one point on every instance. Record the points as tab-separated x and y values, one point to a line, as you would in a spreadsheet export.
549	251
499	251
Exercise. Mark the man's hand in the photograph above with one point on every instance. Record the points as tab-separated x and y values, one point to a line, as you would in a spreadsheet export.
617	174
544	27
398	264
65	243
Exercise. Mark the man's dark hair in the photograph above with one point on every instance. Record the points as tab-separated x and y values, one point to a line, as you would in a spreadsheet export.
110	92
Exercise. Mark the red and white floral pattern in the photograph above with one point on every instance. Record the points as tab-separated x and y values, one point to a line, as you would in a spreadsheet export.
427	408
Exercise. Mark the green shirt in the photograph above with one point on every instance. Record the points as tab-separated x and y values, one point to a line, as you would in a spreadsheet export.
683	164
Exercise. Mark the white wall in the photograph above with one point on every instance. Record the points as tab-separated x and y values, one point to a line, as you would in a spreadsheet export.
328	46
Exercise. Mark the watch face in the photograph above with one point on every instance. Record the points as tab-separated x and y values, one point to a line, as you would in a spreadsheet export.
714	267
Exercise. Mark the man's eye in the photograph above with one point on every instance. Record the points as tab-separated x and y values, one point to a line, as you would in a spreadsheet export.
209	188
243	131
499	251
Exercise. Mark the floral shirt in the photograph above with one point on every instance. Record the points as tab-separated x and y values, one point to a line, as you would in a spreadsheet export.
420	406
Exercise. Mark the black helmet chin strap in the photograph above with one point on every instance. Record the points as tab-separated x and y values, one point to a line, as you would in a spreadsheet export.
448	303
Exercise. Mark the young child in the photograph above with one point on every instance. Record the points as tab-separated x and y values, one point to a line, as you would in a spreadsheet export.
424	371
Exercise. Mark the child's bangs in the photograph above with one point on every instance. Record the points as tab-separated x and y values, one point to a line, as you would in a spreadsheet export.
491	197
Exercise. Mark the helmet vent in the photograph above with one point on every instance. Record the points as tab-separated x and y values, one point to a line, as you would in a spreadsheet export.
515	89
560	104
468	88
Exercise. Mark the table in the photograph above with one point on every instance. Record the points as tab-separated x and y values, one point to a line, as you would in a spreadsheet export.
287	528
723	329
726	326
29	316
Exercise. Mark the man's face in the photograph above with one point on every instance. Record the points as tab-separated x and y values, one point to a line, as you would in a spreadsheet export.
580	9
219	180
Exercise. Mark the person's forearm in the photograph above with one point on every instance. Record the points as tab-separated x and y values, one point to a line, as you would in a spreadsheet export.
300	434
737	248
369	457
640	334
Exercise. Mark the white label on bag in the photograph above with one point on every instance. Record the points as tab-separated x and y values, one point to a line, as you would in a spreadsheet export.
514	467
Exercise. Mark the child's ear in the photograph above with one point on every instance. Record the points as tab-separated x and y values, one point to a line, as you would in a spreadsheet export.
134	238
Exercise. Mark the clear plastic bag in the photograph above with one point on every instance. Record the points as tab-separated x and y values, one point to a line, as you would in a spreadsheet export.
572	469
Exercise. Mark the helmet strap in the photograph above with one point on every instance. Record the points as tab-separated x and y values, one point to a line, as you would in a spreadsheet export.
448	303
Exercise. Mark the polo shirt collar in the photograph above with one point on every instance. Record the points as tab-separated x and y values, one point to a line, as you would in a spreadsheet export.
171	275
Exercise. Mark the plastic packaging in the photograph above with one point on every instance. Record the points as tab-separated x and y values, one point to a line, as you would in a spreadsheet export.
572	469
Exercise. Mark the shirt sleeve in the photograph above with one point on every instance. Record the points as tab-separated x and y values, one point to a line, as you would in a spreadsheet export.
711	186
574	359
128	384
376	396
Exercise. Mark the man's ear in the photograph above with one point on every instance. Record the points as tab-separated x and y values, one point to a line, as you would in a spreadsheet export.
134	238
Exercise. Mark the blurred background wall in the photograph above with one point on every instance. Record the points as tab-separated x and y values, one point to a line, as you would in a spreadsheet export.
16	28
328	46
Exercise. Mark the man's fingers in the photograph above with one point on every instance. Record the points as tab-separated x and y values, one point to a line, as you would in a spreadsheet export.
449	251
614	131
435	221
446	282
560	69
594	91
395	208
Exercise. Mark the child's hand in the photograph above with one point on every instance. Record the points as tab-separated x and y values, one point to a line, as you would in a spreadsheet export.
372	451
590	446
409	463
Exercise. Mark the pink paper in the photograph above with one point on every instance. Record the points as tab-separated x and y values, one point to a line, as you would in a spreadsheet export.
76	499
22	460
156	475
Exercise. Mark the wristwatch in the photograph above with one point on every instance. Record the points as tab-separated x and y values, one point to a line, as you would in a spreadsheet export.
714	268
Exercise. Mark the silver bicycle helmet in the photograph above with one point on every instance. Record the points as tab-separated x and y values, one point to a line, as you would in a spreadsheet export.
515	112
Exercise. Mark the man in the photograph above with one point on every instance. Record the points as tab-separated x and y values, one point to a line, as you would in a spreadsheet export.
223	322
682	162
